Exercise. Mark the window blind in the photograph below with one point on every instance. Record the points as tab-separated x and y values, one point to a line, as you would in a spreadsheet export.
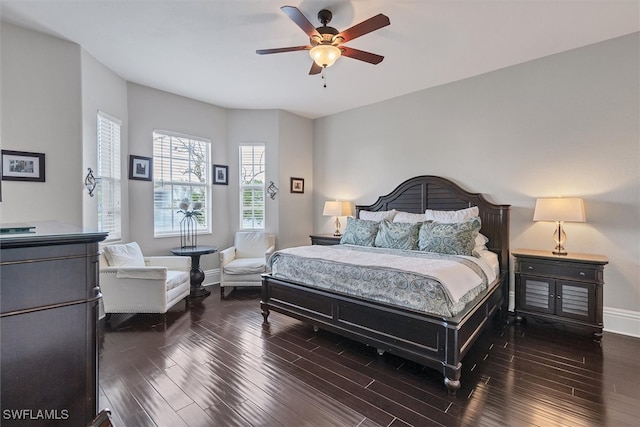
181	173
109	181
252	186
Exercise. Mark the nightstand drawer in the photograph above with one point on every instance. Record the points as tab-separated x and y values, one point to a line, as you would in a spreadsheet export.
574	272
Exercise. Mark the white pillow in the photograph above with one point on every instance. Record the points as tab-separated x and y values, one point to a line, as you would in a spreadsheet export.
449	217
124	255
378	216
481	242
411	218
251	244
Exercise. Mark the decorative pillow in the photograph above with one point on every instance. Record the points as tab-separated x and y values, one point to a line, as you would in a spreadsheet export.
397	235
377	216
251	244
124	255
407	217
451	216
360	232
449	238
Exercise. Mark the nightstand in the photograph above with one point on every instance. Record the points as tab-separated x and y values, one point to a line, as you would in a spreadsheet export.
562	289
325	239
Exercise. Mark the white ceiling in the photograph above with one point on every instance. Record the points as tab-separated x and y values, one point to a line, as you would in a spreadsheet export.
206	49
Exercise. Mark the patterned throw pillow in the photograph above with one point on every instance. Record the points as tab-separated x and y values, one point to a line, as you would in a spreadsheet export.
455	238
397	235
359	232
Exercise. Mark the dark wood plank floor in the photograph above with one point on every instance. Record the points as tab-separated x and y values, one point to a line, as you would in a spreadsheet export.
215	365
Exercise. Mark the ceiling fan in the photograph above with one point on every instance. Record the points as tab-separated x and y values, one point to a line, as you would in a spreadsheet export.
326	43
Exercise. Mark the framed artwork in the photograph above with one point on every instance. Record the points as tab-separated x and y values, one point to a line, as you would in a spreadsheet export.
140	168
297	185
221	174
22	166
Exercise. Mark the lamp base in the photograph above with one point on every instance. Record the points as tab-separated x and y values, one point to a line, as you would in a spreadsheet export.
560	237
337	232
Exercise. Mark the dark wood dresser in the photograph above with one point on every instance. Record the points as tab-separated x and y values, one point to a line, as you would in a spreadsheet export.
49	299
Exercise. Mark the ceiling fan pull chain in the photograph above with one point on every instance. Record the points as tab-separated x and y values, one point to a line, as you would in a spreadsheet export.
324	77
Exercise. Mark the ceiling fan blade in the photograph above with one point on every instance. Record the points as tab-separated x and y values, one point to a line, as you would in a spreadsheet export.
361	55
365	27
282	49
315	69
300	20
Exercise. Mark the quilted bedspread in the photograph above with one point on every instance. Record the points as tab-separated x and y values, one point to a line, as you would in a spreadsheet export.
428	282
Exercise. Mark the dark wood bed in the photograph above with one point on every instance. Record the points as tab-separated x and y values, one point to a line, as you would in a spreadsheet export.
434	341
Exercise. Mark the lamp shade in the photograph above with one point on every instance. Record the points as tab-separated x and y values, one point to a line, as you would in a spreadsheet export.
569	209
337	208
325	55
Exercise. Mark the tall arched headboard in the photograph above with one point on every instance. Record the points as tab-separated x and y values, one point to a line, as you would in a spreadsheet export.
424	192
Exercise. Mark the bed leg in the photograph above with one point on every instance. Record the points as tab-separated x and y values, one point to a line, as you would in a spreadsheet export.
452	378
265	314
452	386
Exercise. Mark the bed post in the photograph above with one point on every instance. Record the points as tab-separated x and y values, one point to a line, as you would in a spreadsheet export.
264	300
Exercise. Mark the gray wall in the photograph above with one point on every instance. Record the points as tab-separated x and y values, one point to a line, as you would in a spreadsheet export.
102	90
51	92
296	160
41	111
563	125
149	110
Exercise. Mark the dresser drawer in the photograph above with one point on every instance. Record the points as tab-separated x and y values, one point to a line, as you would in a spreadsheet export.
565	270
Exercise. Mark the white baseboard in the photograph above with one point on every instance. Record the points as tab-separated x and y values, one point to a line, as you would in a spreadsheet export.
211	277
625	322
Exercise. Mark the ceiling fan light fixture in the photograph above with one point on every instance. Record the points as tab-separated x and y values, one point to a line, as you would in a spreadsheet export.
325	55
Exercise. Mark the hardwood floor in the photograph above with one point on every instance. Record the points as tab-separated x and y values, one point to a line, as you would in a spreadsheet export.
215	365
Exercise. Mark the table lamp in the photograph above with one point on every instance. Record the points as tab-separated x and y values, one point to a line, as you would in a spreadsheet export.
337	208
559	210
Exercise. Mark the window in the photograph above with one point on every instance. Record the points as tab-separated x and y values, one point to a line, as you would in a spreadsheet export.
108	182
180	175
252	186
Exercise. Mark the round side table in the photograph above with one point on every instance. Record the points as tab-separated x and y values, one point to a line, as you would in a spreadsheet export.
197	275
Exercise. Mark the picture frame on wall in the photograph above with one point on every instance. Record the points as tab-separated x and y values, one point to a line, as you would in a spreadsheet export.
140	168
221	174
22	166
297	185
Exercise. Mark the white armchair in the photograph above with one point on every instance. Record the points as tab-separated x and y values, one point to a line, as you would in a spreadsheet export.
132	283
244	262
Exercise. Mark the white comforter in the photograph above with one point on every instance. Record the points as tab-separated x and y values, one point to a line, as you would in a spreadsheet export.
456	278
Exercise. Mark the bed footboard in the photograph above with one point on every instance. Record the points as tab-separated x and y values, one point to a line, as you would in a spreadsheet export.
436	342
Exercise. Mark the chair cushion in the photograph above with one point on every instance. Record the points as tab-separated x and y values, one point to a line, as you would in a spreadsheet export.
122	255
176	278
245	266
251	244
